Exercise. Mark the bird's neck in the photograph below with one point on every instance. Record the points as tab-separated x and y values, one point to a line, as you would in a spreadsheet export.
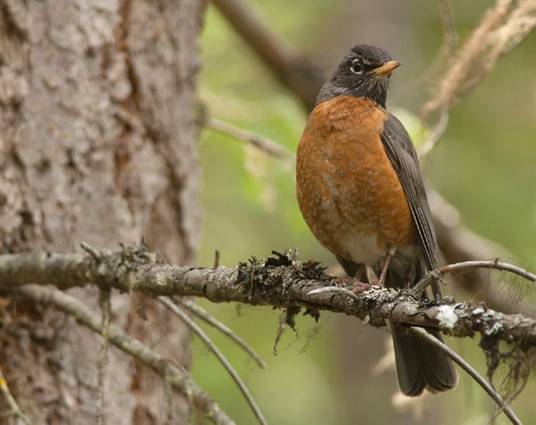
376	93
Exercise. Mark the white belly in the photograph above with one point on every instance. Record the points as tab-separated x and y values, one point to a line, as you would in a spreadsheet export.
362	248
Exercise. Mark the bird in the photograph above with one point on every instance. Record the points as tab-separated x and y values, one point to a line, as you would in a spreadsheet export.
360	190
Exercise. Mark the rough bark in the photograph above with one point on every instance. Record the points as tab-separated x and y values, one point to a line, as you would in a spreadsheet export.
280	281
97	142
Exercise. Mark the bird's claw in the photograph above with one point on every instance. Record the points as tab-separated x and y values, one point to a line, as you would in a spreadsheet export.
356	284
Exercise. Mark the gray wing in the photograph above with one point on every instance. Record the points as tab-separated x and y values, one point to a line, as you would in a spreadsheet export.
403	157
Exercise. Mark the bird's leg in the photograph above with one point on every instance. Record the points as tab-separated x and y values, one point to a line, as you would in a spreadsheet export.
355	276
436	291
390	253
357	282
371	275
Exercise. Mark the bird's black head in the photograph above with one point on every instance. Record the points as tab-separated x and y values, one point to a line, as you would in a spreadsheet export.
364	72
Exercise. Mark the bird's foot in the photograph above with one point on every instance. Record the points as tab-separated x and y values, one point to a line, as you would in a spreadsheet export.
356	284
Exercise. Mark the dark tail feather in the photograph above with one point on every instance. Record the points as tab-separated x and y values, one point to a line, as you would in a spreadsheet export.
419	364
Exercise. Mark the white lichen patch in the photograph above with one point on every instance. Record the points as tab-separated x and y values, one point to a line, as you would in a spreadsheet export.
495	329
478	310
446	316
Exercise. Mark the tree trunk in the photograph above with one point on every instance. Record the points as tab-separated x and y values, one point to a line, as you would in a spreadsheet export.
97	144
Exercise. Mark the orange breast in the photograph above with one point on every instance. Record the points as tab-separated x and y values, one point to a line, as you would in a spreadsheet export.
348	192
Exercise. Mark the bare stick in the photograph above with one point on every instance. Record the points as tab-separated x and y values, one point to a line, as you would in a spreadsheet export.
472	265
178	377
204	315
168	392
449	33
436	133
289	66
260	142
11	402
459	244
488	264
471	371
219	355
447	21
102	365
503	27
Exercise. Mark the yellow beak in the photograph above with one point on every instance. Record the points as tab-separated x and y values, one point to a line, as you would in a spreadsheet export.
387	68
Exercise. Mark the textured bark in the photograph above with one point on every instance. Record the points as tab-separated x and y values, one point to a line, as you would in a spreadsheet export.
279	281
97	143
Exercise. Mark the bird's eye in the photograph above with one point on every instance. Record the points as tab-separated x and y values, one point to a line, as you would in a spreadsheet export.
357	66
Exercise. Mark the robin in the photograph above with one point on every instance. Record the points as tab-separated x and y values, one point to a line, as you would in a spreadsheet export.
361	192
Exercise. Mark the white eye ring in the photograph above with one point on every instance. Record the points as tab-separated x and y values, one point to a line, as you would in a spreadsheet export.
357	66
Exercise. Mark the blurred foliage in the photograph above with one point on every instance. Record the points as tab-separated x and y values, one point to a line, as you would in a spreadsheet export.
484	165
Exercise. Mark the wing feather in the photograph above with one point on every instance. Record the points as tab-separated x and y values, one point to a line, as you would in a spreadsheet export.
404	159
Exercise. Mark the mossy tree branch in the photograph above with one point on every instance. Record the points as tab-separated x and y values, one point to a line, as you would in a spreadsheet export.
280	281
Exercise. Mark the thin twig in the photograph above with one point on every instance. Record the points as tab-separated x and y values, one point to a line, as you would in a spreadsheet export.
334	290
102	364
90	250
216	259
204	315
436	133
472	265
219	355
260	142
168	392
459	244
281	327
488	264
289	66
179	378
447	21
449	33
503	27
471	371
12	403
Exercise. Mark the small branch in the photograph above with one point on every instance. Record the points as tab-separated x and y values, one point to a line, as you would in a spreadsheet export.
503	27
260	142
179	378
435	134
291	68
447	21
219	355
204	315
459	244
449	33
90	250
471	371
168	393
11	402
488	264
472	265
102	366
279	282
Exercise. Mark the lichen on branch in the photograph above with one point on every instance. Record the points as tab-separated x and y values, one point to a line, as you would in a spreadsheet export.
279	281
